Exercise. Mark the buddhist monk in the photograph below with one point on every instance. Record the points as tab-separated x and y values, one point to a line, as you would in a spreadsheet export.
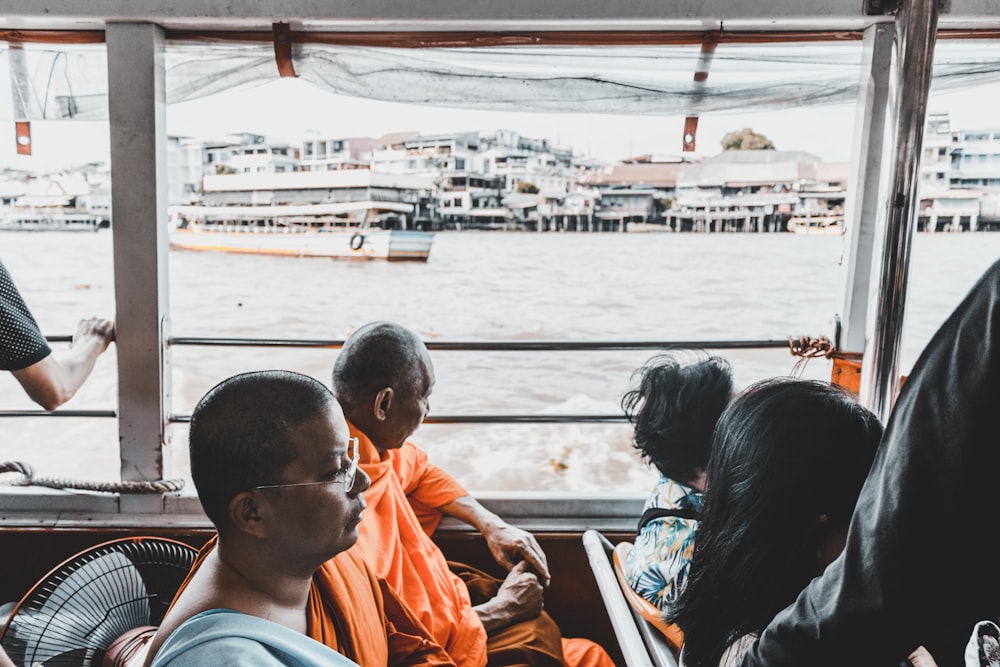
277	474
383	378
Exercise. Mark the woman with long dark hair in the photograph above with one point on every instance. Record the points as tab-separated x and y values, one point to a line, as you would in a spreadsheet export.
788	461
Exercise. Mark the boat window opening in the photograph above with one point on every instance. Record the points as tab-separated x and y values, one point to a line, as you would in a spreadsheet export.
532	295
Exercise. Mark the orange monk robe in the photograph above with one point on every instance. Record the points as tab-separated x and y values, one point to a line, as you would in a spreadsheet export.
395	537
358	615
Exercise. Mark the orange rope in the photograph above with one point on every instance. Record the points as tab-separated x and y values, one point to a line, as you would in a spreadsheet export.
806	348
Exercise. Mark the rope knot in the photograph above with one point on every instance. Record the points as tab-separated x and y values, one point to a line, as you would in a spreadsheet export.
23	469
809	347
806	348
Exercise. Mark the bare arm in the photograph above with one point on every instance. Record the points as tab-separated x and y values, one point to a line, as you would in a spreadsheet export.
51	382
508	544
5	660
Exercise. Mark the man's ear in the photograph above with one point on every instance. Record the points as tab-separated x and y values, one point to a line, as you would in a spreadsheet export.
245	514
382	403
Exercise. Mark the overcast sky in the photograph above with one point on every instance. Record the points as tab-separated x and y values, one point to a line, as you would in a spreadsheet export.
290	110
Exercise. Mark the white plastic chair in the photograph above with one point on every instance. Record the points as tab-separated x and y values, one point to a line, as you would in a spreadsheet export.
642	645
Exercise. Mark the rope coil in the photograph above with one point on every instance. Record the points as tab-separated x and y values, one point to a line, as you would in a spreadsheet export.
806	348
28	479
809	347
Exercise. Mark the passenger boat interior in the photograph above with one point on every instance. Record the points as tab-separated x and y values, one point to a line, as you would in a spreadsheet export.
879	53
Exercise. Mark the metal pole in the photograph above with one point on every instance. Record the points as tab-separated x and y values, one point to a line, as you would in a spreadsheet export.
916	30
861	235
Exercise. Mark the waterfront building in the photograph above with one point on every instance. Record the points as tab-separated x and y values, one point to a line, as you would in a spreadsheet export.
337	153
78	198
959	177
186	162
411	153
535	163
572	211
474	201
189	160
756	190
13	184
637	192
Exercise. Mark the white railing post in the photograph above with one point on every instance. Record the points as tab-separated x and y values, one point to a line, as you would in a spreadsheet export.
137	112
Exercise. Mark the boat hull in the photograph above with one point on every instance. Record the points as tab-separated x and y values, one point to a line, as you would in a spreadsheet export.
820	226
376	244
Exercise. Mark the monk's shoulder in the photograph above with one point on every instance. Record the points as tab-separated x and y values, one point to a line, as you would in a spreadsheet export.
351	565
408	459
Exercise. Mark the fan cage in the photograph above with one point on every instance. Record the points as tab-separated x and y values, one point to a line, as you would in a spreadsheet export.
74	613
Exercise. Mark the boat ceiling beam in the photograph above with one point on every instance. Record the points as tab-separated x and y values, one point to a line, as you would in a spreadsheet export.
137	111
387	15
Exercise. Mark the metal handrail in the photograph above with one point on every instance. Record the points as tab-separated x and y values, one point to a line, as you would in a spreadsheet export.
58	413
494	346
490	419
498	346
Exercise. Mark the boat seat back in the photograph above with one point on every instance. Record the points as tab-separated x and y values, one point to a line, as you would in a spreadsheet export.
646	610
625	621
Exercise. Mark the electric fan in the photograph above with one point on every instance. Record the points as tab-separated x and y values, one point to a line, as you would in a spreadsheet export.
80	608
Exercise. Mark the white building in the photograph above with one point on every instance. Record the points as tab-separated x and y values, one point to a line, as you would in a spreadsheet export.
330	154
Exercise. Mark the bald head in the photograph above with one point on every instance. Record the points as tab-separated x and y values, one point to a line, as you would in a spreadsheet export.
376	356
241	433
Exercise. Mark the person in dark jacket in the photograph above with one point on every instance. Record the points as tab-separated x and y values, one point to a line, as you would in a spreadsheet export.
920	565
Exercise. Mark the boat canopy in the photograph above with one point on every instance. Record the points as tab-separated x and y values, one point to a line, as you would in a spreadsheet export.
69	81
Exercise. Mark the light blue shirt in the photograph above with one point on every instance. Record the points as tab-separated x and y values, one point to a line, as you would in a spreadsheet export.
229	638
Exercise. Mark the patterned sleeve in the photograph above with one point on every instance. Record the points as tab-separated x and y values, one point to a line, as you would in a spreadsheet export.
21	342
657	567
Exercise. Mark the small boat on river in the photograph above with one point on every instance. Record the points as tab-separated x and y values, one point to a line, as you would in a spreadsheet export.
51	222
274	232
823	225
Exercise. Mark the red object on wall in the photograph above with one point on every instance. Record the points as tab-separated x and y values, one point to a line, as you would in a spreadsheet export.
22	135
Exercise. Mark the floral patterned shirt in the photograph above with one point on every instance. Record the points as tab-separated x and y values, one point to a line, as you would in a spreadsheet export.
657	567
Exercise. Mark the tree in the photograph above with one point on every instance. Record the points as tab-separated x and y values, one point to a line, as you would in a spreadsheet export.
746	140
524	187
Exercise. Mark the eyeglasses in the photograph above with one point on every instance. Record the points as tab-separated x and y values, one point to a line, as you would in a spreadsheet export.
344	475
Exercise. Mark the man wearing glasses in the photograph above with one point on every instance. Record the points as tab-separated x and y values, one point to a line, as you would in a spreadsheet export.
278	475
383	378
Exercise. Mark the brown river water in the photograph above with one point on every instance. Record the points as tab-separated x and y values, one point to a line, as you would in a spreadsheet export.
476	286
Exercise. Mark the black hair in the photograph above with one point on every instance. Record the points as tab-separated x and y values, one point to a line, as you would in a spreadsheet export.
674	411
785	453
239	433
376	356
